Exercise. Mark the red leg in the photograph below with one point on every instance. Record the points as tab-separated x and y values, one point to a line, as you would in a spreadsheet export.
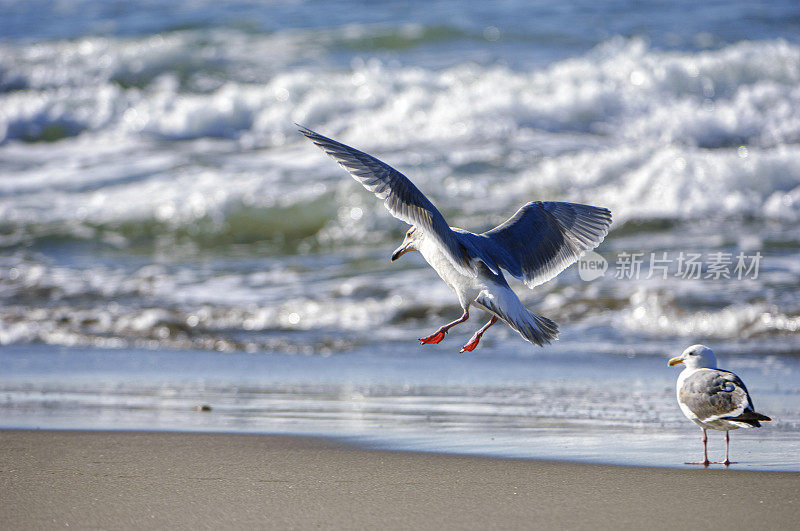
437	336
469	347
727	448
705	460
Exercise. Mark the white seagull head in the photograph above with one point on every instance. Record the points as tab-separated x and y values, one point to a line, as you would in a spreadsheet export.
696	357
410	243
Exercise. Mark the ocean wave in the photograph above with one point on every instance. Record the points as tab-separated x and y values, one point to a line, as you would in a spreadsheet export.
741	94
335	302
646	132
656	180
654	313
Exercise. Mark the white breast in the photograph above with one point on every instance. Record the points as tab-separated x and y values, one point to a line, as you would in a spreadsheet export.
467	288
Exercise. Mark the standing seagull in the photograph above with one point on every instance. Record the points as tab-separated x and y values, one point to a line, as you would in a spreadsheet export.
535	245
713	398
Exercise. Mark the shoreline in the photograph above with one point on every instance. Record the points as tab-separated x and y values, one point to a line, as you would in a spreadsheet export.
177	479
360	443
494	404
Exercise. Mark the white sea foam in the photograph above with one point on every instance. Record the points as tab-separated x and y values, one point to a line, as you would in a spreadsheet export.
676	182
651	314
625	125
154	146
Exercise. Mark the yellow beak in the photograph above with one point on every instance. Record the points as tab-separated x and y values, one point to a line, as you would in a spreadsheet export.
675	361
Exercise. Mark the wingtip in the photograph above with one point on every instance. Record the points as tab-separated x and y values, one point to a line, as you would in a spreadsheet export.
303	130
315	137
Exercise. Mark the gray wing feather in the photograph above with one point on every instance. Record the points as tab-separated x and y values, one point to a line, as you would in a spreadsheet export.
545	237
713	394
403	200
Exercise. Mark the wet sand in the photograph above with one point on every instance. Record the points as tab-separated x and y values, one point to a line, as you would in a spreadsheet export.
188	480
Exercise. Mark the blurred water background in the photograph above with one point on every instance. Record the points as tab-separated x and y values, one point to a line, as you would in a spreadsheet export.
167	239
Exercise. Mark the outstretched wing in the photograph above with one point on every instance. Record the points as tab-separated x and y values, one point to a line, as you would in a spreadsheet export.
403	200
714	394
545	237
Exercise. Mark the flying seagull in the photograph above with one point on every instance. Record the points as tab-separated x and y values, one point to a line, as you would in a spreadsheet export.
534	245
713	398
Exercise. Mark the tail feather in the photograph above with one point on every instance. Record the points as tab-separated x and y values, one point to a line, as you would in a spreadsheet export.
537	329
749	417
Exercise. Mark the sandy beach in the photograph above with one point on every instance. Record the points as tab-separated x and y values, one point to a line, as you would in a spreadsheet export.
188	480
